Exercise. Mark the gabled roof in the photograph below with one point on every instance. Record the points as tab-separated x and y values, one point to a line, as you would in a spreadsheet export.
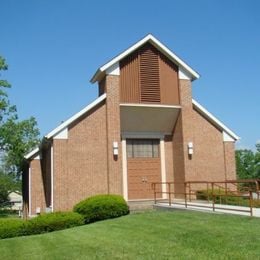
157	44
214	120
66	123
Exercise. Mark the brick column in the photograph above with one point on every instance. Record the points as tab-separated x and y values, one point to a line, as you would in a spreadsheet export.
113	135
183	133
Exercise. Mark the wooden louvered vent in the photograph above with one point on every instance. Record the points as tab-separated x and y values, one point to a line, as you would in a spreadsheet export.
149	75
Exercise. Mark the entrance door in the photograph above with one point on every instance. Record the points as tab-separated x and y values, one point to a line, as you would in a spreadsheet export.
143	167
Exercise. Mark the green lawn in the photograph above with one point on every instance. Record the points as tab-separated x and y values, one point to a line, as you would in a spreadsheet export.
150	235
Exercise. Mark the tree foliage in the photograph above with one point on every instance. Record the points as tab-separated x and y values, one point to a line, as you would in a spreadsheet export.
17	137
7	185
6	109
248	163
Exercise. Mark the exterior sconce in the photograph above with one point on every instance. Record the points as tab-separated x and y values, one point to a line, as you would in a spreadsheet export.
190	148
115	148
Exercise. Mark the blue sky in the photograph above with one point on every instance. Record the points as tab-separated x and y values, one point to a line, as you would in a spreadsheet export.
54	47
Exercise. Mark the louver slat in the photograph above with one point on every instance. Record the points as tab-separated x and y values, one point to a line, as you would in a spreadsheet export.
129	79
149	75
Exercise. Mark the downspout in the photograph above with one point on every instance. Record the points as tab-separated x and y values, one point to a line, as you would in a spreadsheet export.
52	178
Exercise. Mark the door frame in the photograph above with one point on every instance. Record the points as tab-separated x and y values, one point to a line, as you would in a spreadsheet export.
124	158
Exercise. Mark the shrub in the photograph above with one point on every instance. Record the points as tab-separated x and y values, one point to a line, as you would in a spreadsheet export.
41	224
11	228
52	221
208	194
101	207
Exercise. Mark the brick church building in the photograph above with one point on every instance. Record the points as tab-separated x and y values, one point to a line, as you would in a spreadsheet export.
144	127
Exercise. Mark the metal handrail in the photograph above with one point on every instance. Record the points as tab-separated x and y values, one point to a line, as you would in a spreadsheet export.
188	192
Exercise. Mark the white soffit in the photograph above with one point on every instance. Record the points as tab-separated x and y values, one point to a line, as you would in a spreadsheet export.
227	137
148	118
184	74
65	124
157	44
113	70
215	121
63	134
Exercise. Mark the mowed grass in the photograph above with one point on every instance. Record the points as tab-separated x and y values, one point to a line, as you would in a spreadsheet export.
150	235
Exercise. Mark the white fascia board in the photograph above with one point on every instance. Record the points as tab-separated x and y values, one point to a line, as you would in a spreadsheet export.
212	118
32	153
156	44
65	124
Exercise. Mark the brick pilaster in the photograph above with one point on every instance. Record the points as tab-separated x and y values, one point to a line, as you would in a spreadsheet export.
113	134
182	134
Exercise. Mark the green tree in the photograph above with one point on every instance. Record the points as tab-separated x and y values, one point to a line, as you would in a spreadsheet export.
7	184
6	109
16	137
248	163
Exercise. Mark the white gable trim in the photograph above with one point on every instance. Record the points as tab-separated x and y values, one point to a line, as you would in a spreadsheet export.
213	119
33	153
65	124
149	38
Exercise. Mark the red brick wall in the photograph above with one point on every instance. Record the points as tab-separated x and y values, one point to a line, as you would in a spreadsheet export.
208	157
37	190
229	148
212	159
80	162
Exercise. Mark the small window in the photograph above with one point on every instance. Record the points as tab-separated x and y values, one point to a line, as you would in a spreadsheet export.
137	148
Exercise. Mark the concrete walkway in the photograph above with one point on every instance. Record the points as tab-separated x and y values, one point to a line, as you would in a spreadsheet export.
208	207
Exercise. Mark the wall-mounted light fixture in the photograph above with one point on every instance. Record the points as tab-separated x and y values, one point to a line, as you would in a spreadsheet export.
190	148
115	148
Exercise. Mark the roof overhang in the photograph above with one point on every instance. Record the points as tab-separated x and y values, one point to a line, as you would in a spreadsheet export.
157	44
143	118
